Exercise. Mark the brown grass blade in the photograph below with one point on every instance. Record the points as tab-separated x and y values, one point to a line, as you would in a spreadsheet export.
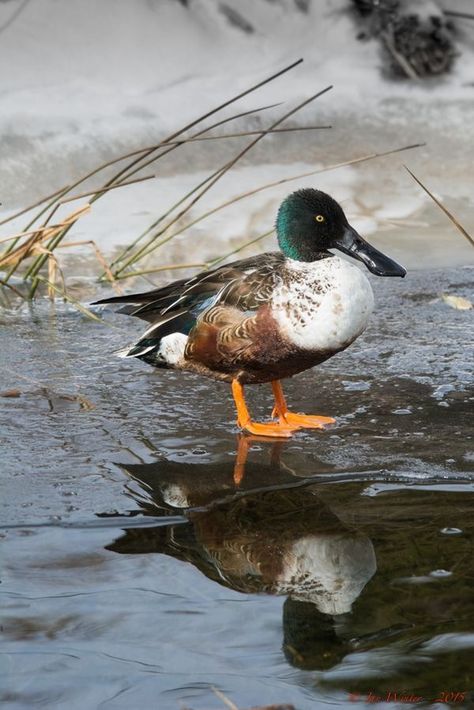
449	214
13	288
34	269
183	142
218	176
135	166
67	188
130	246
55	235
55	241
275	183
100	258
31	245
24	210
70	299
220	259
166	267
242	134
146	151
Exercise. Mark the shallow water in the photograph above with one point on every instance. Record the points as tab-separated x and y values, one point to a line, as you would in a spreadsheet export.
143	567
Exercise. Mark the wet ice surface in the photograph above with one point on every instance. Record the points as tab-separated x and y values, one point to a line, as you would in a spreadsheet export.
137	573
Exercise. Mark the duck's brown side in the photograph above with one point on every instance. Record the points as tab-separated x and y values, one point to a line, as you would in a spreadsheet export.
227	345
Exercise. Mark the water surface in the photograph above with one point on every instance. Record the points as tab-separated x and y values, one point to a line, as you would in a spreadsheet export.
142	566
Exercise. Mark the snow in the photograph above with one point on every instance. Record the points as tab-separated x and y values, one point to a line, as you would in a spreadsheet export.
86	80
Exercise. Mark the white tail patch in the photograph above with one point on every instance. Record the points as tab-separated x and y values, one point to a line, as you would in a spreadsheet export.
172	348
174	495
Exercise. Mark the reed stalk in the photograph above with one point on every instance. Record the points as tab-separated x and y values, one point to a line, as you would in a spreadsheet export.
121	176
275	183
449	214
217	176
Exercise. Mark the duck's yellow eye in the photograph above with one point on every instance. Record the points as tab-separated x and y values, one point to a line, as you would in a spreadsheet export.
319	218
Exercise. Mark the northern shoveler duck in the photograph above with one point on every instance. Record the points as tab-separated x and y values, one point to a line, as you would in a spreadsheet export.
286	542
270	316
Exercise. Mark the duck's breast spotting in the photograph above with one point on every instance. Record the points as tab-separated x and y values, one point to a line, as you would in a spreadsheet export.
322	305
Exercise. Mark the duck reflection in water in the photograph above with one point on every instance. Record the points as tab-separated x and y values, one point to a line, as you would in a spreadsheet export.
254	537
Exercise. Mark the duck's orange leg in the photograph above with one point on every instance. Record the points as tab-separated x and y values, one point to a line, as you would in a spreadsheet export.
281	429
302	421
243	445
244	442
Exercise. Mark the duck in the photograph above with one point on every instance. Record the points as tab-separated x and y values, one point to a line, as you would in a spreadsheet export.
267	317
284	541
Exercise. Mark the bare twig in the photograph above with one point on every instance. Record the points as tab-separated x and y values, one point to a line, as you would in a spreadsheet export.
403	63
106	189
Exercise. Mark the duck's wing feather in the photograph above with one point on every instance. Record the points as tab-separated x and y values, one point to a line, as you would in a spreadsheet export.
221	296
245	284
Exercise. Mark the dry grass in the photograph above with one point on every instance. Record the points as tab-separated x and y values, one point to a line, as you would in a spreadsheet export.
33	254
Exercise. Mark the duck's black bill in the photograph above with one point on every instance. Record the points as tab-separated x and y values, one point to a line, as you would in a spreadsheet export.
353	245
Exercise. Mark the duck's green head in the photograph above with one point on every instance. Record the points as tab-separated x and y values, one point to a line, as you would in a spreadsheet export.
310	222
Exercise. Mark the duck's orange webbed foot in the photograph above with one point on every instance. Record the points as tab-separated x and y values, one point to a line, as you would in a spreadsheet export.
279	430
302	421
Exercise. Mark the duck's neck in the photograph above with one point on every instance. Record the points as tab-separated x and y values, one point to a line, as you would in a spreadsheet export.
293	241
299	250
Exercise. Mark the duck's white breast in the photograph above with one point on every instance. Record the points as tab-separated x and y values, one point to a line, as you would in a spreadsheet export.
322	305
328	570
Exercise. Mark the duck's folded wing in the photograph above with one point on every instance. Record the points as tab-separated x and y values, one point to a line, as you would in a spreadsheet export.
244	284
221	296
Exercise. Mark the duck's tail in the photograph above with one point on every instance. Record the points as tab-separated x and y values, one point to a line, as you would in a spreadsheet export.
171	315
